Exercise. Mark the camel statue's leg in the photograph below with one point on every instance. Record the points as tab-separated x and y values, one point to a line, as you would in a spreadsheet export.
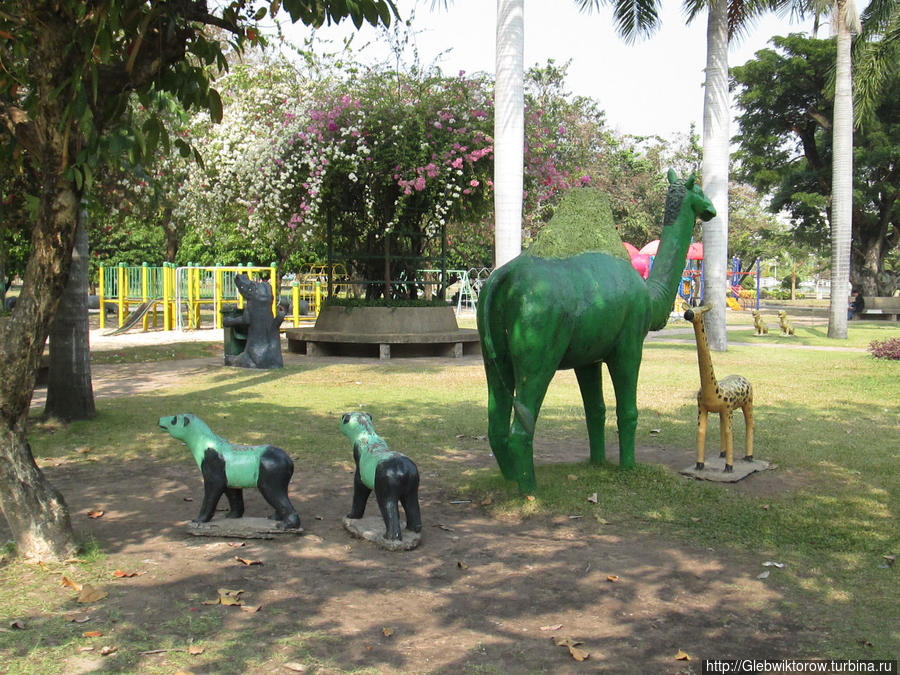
530	390
702	421
725	422
623	370
590	380
500	402
748	423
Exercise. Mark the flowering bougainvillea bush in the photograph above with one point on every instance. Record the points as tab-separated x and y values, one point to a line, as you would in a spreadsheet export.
888	348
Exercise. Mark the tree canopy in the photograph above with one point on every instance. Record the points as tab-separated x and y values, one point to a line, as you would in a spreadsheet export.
786	151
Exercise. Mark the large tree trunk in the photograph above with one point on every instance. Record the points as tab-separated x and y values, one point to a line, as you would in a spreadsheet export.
716	112
70	395
36	513
509	130
841	180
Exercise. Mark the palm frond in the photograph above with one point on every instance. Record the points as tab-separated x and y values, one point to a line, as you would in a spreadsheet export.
635	18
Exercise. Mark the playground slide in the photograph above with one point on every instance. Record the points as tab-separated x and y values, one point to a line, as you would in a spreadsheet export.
134	317
733	303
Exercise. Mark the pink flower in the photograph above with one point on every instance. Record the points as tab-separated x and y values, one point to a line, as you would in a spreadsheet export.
457	163
473	183
419	184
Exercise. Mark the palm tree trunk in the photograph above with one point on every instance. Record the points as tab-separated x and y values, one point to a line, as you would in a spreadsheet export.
70	394
841	179
509	130
716	112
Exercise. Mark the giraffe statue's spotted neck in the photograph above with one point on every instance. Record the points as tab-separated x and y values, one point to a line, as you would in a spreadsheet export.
721	396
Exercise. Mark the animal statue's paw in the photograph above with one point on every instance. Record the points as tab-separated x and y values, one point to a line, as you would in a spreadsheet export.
234	514
722	454
748	458
699	466
729	468
292	522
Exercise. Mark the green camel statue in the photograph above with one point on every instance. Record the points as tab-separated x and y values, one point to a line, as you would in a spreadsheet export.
541	313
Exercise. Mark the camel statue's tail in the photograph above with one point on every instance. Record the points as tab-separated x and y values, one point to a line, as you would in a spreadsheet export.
498	368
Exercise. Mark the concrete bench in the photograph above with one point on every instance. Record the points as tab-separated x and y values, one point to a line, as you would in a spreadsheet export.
878	307
314	342
383	332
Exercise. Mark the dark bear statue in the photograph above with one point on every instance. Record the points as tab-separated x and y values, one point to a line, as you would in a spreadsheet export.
263	349
393	476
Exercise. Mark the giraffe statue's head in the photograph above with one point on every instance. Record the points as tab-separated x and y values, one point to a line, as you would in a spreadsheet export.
695	315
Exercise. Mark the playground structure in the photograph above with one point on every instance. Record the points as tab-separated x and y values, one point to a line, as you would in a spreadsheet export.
184	298
691	288
176	297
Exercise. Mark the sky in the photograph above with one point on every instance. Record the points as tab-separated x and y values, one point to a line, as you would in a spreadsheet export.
654	86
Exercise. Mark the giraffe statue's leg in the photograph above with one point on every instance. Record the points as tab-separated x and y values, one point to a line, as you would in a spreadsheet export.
702	419
725	418
748	423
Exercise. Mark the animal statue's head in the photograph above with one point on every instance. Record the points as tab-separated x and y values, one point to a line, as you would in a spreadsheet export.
782	314
254	290
755	313
680	190
695	315
178	425
356	423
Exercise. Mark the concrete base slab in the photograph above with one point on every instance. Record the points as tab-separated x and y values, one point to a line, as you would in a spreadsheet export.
714	469
241	528
371	529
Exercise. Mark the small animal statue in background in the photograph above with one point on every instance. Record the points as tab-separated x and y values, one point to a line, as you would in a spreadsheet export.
263	348
759	323
228	468
721	396
787	328
393	476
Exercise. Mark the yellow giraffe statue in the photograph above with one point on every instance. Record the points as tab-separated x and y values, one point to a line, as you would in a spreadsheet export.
722	396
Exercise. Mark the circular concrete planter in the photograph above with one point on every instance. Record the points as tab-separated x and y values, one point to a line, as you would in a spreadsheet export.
386	320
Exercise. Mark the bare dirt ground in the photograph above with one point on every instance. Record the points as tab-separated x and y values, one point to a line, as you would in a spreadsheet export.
481	594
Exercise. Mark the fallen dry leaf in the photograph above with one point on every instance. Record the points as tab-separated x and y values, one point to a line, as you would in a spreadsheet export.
80	618
83	450
95	514
72	561
106	651
487	501
237	544
579	654
682	656
229	597
250	609
294	667
565	641
530	498
245	561
18	624
387	631
764	575
612	577
593	498
91	633
121	574
461	565
67	582
572	476
86	649
90	594
195	650
890	559
555	626
864	642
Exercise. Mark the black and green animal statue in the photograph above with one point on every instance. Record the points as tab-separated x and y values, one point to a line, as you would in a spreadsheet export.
229	468
393	476
575	302
263	349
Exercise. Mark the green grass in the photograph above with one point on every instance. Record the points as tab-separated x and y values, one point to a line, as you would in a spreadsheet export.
829	420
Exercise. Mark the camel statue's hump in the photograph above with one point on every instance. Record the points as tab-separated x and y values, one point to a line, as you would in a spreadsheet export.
583	222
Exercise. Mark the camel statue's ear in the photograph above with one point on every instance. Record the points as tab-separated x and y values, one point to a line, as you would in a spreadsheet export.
689	184
672	176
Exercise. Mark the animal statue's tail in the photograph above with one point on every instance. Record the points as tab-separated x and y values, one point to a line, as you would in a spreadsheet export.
498	367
